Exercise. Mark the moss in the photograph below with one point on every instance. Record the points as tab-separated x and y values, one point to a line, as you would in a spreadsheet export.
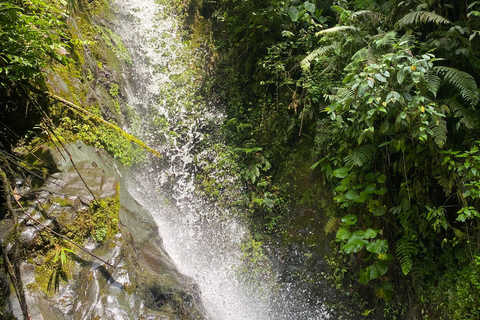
61	201
98	222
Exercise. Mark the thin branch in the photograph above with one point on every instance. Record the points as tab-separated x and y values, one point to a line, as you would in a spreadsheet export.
16	251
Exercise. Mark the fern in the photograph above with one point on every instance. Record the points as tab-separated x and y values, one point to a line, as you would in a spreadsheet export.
474	61
405	249
466	116
337	29
387	39
440	132
446	180
360	156
417	17
359	56
374	16
346	93
305	64
331	225
437	34
432	82
463	81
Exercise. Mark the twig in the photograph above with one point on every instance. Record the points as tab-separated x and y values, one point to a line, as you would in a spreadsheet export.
16	252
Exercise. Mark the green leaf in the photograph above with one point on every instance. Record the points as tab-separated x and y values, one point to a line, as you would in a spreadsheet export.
342	234
350	219
315	165
380	211
378	247
374	271
341	172
354	245
380	77
400	77
310	7
362	197
293	13
381	178
352	195
370	233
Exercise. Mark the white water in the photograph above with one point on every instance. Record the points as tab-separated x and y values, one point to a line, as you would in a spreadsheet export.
203	240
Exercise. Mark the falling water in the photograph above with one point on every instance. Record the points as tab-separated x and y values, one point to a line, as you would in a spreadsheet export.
203	239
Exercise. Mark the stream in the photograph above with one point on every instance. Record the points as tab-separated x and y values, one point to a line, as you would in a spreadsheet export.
204	240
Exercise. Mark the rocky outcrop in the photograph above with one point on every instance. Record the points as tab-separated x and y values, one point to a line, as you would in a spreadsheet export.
142	281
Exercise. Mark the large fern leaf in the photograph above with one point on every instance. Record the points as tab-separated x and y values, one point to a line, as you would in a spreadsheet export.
466	116
373	16
474	61
463	81
439	131
432	82
405	250
417	17
360	156
337	29
305	64
386	39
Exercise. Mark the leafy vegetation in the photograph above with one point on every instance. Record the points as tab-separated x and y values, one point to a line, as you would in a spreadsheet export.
380	100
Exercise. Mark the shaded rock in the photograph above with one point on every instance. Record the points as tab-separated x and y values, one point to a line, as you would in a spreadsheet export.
5	305
73	183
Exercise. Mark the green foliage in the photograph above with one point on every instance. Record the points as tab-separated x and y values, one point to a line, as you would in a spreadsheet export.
417	17
405	249
31	39
465	83
114	43
382	98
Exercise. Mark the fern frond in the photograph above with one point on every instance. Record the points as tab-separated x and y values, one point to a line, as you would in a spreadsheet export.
405	249
346	93
331	225
474	61
463	81
437	34
465	115
432	82
446	180
359	56
305	64
439	131
417	17
337	29
374	16
360	156
387	39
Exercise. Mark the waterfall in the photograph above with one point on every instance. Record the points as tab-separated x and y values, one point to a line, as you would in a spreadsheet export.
203	239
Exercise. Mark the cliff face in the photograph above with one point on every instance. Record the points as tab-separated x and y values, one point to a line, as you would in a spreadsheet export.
79	194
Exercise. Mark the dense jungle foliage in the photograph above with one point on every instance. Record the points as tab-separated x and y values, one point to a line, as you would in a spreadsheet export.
368	112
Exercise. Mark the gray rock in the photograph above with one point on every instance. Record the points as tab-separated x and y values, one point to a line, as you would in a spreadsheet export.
5	305
145	283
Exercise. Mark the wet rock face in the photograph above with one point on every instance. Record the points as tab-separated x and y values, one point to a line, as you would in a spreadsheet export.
144	284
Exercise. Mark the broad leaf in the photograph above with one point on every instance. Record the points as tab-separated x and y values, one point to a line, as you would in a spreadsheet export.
293	13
